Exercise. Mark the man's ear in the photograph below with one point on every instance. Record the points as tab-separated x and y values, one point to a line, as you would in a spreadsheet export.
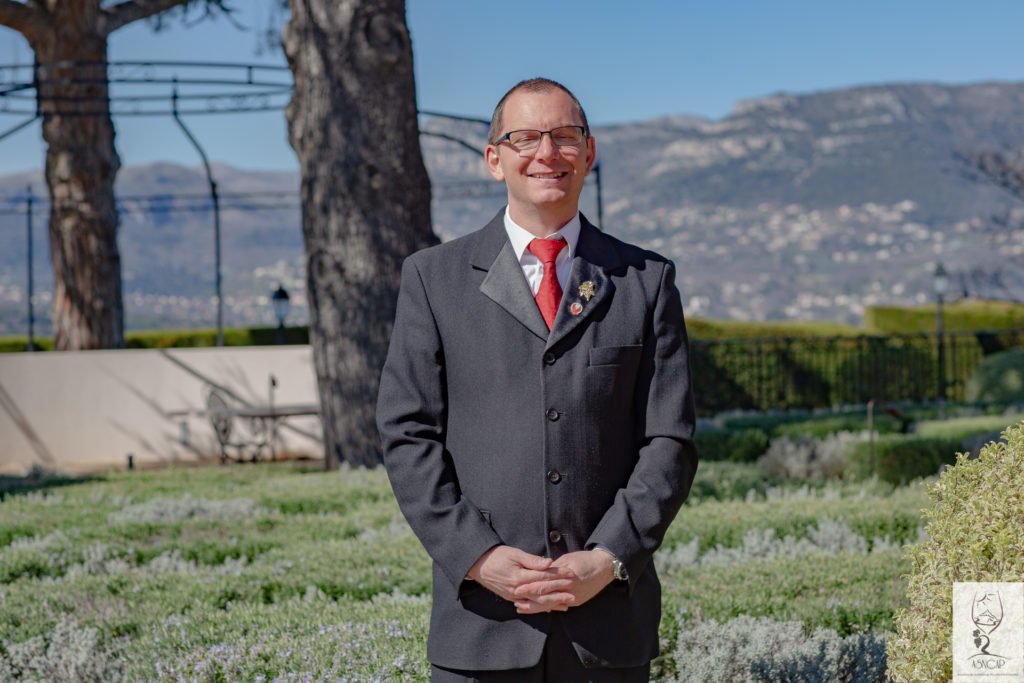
591	153
493	163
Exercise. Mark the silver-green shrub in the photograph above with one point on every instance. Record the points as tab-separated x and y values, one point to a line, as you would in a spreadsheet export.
66	654
857	658
975	533
829	537
808	457
754	650
167	510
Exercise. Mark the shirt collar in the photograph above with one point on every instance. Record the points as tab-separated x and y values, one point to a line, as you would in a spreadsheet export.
521	238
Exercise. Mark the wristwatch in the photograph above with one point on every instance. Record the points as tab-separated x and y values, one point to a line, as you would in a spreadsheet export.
618	569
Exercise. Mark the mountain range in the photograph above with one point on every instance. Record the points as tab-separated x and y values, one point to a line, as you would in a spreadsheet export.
792	207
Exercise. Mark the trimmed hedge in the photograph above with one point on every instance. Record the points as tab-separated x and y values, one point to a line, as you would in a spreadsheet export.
959	316
699	328
820	427
729	481
964	427
998	378
733	445
258	336
900	458
167	339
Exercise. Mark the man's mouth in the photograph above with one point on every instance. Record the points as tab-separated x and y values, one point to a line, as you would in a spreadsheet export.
558	174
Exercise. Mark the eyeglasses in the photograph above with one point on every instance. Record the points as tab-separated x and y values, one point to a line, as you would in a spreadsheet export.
526	140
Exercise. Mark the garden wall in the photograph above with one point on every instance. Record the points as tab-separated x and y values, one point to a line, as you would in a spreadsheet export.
86	410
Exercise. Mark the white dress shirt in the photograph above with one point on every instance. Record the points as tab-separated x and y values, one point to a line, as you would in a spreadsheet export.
533	269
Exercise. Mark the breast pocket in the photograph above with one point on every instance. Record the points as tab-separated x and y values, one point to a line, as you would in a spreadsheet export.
612	372
615	355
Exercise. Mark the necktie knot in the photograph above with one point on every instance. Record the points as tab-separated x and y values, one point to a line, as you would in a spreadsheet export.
547	250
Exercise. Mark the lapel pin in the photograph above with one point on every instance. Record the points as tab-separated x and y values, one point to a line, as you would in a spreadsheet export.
587	290
575	308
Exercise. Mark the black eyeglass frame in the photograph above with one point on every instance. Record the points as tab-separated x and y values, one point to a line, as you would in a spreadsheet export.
505	138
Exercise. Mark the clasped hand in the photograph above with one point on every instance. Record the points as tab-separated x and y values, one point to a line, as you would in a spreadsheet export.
539	584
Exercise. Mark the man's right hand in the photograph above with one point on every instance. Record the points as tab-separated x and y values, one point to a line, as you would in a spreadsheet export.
503	568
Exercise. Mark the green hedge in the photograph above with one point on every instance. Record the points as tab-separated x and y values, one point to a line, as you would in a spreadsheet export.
805	373
900	458
729	481
999	377
699	328
733	445
820	427
161	339
960	428
959	316
166	339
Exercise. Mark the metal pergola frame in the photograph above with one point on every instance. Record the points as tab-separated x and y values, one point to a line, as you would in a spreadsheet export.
177	88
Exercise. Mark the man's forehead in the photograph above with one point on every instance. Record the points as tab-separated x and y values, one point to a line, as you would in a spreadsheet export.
523	105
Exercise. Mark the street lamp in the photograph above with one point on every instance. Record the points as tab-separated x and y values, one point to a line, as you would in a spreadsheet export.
281	305
940	282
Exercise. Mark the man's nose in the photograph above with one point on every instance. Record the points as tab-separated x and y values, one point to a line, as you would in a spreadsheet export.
546	148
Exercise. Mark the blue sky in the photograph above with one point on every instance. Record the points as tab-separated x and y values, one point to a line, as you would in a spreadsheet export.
625	61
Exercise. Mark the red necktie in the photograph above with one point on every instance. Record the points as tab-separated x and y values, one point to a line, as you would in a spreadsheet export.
550	293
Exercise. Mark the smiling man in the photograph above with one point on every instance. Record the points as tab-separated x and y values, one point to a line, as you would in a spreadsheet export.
537	419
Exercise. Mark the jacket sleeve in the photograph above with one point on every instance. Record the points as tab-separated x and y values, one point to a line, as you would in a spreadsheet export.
411	416
635	524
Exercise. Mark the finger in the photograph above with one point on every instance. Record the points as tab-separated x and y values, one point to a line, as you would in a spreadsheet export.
529	607
523	577
535	609
529	560
535	589
546	603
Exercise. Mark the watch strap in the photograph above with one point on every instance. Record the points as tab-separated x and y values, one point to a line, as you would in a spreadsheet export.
618	569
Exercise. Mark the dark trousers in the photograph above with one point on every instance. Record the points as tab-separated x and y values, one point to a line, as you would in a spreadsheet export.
558	664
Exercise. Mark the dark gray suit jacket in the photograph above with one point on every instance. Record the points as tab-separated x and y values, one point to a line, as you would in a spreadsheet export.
496	431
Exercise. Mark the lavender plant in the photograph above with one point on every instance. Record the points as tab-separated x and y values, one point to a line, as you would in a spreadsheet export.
67	653
758	650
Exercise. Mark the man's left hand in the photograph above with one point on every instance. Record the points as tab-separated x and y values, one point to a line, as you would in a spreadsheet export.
582	575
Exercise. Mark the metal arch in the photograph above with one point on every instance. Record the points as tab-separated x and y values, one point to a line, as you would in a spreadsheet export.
216	212
221	87
453	117
452	138
16	128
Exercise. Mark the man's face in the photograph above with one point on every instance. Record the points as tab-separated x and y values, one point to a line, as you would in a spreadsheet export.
545	181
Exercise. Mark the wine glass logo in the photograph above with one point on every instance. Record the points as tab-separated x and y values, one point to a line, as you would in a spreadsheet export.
987	614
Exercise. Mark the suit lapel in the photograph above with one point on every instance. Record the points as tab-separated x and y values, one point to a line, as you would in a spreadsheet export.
595	255
504	283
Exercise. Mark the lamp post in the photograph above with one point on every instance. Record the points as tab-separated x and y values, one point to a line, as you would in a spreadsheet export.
940	282
281	305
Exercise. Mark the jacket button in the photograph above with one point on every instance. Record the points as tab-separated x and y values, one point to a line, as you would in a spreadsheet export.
549	358
552	414
555	536
554	476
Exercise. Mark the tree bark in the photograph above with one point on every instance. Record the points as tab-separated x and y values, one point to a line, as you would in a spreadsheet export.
69	38
81	163
365	198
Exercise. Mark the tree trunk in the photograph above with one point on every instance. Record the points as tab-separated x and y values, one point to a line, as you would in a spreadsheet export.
81	163
365	198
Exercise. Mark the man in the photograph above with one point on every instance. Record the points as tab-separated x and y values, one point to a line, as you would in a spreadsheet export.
537	420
